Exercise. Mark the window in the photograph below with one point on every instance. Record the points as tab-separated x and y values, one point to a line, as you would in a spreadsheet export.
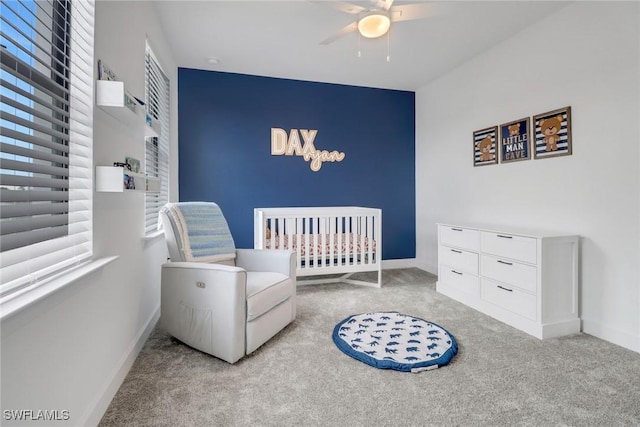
157	149
46	118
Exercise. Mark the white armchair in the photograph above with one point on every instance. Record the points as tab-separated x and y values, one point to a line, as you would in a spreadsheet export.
218	299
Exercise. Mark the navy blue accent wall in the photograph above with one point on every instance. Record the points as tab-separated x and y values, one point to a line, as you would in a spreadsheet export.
225	123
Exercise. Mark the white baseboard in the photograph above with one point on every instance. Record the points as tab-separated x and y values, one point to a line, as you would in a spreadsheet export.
95	412
615	336
399	263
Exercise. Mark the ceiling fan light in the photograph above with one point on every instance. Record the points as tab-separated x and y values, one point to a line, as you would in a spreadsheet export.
375	24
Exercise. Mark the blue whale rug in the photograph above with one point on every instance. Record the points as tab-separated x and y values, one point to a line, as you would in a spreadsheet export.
391	340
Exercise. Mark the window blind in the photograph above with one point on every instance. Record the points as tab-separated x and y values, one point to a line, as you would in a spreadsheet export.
157	149
46	119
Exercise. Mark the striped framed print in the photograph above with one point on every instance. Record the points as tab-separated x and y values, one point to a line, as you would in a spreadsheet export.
552	133
485	146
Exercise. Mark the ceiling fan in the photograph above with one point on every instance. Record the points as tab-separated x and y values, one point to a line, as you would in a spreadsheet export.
375	21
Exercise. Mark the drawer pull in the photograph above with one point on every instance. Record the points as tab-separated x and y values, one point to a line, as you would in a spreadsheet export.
505	289
505	262
456	251
457	229
504	237
456	272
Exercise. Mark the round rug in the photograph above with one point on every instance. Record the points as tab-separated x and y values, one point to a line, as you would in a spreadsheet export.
391	340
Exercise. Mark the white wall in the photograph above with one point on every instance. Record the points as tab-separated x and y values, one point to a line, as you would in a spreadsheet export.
586	56
72	350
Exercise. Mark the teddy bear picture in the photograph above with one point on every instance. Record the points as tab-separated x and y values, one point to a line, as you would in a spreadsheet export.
484	147
550	128
553	133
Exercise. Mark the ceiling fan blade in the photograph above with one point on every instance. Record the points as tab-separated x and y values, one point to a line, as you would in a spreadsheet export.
343	32
342	6
410	12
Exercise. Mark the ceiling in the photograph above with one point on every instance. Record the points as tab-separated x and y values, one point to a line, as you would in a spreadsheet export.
282	39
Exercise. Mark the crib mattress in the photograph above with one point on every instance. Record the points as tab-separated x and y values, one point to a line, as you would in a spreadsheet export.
349	243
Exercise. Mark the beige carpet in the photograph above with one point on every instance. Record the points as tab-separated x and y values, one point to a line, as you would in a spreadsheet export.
501	376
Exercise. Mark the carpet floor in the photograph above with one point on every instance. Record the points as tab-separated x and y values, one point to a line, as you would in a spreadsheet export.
500	377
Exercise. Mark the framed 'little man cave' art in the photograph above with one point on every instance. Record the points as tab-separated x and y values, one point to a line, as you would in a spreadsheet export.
485	146
552	133
514	141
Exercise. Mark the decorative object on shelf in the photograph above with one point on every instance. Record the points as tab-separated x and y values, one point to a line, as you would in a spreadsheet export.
514	141
129	182
552	133
152	128
485	146
130	102
122	165
133	164
105	73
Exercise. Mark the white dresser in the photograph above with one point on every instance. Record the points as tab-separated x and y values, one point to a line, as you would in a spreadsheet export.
527	280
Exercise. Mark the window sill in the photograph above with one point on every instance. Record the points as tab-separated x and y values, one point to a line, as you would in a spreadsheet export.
15	303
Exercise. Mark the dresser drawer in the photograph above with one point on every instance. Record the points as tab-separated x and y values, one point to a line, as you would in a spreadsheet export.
463	281
459	259
513	273
509	298
509	246
460	237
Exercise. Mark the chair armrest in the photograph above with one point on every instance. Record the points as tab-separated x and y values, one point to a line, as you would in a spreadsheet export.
204	305
196	281
204	266
281	261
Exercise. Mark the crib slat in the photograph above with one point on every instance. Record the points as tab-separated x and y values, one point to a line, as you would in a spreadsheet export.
349	244
299	228
272	239
332	240
370	239
315	232
321	240
289	229
361	235
307	237
340	232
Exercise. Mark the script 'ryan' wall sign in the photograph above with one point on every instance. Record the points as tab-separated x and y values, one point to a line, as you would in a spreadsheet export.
300	142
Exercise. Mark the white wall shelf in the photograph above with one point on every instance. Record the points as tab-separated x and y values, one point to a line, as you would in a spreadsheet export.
112	98
111	179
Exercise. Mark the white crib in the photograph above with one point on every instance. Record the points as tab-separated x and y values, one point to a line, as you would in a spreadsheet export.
327	240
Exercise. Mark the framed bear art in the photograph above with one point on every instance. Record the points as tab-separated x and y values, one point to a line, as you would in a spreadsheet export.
485	146
552	133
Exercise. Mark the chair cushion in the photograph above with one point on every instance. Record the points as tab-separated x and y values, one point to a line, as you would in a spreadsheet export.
265	290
